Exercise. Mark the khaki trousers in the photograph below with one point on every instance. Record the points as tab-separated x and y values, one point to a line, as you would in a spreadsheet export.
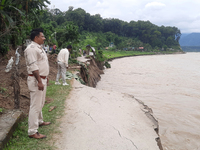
61	71
36	104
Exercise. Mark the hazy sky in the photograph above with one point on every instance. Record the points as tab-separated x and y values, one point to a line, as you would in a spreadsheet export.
183	14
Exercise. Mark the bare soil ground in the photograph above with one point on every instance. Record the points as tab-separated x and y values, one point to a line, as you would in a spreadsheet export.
6	82
91	77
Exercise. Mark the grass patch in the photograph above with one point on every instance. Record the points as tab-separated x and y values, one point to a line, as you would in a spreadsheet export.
116	54
20	139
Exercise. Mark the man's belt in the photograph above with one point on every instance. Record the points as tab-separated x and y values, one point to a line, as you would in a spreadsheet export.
43	77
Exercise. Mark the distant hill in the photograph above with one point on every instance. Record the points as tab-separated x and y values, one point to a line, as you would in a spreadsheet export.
192	39
184	35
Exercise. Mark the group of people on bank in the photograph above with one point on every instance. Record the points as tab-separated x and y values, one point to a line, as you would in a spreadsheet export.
48	49
38	71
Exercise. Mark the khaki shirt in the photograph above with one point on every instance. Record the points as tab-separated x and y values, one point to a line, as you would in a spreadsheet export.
36	59
63	56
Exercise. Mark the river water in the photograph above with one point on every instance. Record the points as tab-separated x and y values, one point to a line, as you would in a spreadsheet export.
170	85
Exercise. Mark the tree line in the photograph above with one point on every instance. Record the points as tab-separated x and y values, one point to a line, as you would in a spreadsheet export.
77	27
17	18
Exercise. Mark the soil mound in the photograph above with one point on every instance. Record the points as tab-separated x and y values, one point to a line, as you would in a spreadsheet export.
90	72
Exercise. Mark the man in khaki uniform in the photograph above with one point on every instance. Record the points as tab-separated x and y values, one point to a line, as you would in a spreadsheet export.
62	60
38	70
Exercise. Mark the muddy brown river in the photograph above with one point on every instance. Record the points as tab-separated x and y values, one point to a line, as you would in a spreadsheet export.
170	85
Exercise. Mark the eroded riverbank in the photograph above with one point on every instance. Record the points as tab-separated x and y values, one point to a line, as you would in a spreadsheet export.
99	119
169	85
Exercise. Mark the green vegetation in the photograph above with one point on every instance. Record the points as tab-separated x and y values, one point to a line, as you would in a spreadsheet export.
117	54
17	18
20	139
99	32
107	65
2	90
78	28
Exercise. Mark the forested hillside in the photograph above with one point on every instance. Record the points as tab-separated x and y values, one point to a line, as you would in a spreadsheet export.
79	28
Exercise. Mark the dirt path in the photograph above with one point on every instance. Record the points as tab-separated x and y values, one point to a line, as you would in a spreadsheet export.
104	120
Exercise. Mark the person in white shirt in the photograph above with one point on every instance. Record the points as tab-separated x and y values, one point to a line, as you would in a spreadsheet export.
38	71
46	48
62	60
